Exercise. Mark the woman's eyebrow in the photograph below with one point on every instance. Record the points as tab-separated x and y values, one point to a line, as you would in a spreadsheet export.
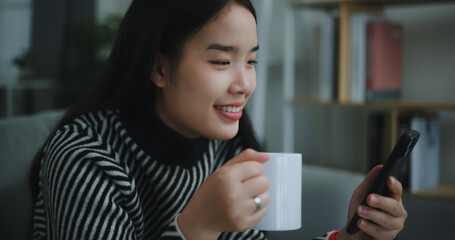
225	48
221	47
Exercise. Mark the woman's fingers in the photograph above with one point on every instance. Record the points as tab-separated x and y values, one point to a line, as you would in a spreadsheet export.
380	218
256	217
384	217
395	188
257	185
224	201
387	204
375	230
247	170
248	155
264	198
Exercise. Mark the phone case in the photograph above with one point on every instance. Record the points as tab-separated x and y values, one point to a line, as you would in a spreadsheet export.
397	158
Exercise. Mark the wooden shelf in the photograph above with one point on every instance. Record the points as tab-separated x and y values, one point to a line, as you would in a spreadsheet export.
383	104
444	192
395	108
346	9
334	3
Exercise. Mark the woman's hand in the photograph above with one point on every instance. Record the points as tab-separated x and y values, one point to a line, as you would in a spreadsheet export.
384	216
224	201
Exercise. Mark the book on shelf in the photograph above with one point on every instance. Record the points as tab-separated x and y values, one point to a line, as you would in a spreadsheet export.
346	11
425	158
324	55
384	60
422	170
358	54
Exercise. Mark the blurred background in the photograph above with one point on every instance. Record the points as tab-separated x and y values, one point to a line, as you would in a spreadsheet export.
52	50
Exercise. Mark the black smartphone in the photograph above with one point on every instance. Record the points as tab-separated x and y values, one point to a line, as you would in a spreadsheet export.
397	158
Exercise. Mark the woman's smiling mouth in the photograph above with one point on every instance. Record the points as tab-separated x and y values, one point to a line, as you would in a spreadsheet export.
230	109
232	112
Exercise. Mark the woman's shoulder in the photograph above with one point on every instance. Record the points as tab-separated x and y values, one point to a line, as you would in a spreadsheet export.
85	136
91	120
81	145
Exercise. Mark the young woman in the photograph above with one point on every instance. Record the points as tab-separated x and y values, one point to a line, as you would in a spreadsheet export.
161	146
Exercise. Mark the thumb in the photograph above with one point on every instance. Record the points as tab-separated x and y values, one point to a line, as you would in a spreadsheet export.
248	155
367	182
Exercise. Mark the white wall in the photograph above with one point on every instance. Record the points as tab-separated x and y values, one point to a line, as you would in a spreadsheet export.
15	30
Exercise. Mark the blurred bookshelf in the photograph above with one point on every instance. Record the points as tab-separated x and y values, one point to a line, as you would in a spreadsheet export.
331	4
443	192
393	108
375	105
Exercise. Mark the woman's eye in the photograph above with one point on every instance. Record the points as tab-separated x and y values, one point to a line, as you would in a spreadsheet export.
222	63
252	62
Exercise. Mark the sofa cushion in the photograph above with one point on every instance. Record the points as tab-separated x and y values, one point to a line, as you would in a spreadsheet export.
20	139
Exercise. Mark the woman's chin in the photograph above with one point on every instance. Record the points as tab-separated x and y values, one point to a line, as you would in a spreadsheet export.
224	133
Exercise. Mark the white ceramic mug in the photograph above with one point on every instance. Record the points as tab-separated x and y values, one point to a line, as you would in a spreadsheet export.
284	171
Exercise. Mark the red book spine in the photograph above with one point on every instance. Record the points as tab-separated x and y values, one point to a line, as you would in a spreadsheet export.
384	56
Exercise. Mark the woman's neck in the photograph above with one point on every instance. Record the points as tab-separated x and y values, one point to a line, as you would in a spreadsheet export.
160	141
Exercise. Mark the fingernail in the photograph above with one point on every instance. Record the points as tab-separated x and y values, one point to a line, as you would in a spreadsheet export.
374	200
363	223
393	180
363	211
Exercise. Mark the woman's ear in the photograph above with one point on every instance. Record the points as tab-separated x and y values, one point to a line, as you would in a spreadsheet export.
159	73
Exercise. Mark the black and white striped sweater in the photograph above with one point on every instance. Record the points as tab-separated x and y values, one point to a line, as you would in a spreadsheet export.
96	182
108	176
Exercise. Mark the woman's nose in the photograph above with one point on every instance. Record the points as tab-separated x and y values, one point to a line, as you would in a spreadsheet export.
244	82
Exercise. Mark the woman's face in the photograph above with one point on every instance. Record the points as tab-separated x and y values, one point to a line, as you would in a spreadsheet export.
214	79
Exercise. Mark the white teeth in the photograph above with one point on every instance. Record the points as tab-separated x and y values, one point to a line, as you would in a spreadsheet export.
229	109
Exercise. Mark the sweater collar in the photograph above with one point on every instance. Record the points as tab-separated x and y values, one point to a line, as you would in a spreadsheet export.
160	141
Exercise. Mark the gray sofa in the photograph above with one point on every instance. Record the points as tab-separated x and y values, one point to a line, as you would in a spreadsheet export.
326	192
20	138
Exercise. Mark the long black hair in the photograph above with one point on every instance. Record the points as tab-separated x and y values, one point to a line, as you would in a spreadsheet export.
149	27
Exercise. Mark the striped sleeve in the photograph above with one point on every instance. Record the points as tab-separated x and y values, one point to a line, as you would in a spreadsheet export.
88	193
325	236
85	190
173	232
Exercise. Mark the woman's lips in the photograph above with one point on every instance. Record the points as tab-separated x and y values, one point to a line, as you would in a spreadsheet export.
232	112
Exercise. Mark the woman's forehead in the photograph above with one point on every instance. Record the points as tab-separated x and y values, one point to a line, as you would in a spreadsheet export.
234	27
